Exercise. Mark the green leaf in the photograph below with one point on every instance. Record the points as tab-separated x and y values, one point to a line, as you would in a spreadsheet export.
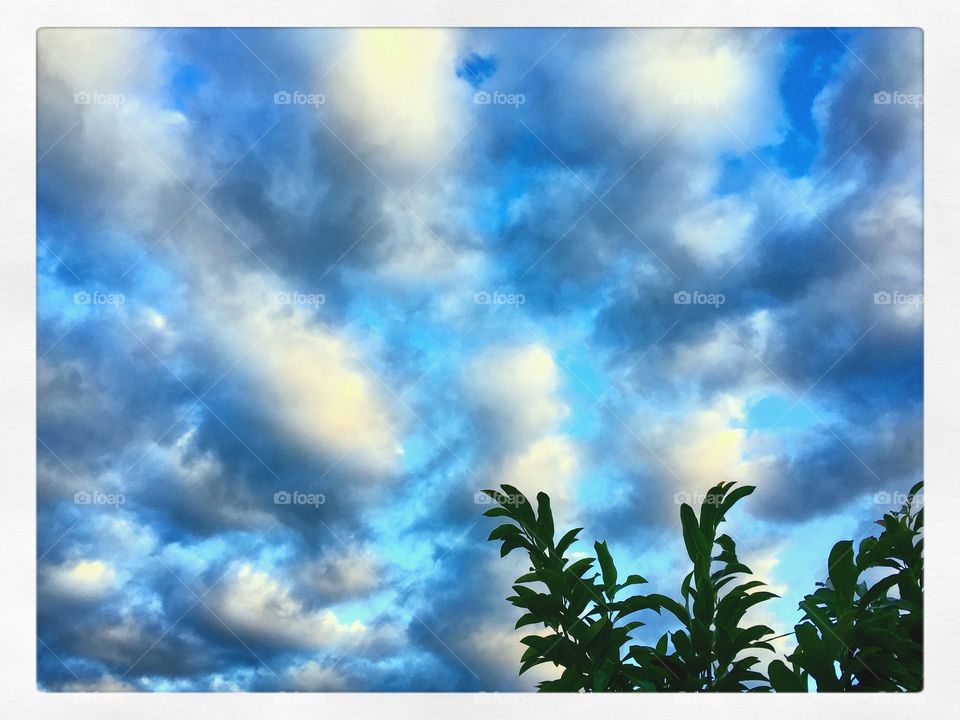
842	570
545	517
693	538
502	532
607	566
580	567
733	497
567	540
527	619
521	507
512	543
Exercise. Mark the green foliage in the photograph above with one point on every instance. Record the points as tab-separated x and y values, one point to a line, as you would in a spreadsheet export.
711	651
578	609
586	612
862	630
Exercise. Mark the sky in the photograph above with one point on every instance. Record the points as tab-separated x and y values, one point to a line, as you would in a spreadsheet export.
302	294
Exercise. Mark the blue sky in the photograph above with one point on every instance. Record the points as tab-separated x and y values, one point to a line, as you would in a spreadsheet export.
301	294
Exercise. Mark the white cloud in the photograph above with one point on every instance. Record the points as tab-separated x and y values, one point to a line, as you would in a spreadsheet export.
421	249
106	683
403	93
79	580
492	648
548	465
516	388
311	379
516	391
730	351
354	573
764	564
312	677
714	88
108	60
716	231
255	605
698	449
134	149
496	646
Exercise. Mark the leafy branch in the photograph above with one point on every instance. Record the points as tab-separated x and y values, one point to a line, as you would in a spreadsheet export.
852	636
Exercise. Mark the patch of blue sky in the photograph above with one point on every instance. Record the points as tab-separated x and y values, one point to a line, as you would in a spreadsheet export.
601	489
55	301
186	80
780	412
418	448
812	58
802	557
199	554
496	211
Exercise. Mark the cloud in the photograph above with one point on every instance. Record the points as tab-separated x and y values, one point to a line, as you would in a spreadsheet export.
107	683
718	231
316	382
515	389
708	85
343	575
258	607
83	580
705	447
403	99
312	677
547	465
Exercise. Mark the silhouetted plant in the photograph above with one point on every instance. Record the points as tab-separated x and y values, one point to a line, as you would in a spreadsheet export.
852	636
861	632
579	609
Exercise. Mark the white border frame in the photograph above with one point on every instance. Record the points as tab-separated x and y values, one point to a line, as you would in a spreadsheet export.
18	320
